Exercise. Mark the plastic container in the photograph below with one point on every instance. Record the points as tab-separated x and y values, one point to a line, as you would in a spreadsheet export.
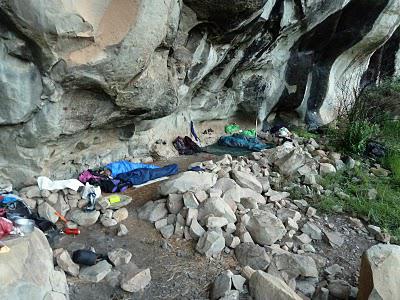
25	225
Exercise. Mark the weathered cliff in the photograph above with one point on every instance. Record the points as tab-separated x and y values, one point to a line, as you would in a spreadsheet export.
86	82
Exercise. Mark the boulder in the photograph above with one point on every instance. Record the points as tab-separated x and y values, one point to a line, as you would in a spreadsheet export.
247	180
27	271
188	181
252	255
379	273
264	286
264	227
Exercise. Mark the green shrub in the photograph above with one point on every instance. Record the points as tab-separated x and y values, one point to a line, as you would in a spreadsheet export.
357	135
392	162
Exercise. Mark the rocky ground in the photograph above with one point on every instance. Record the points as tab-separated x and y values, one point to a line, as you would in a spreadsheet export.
203	234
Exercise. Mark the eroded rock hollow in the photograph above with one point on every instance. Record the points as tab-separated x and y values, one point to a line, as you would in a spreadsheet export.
87	82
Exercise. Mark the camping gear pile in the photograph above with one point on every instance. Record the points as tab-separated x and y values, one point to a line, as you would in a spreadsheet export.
75	202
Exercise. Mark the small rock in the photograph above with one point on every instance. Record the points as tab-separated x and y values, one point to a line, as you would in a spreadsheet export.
107	222
285	213
201	196
295	264
222	285
135	280
84	218
291	224
214	192
264	286
196	231
211	243
161	223
325	169
334	270
238	282
119	256
216	222
264	227
307	248
190	200
380	172
47	212
374	230
312	230
230	228
120	214
122	230
335	239
252	255
95	273
247	271
356	223
167	231
231	295
191	215
301	204
159	212
304	238
311	212
65	262
246	180
339	289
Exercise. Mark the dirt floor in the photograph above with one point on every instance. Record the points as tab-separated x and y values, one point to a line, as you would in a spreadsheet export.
177	271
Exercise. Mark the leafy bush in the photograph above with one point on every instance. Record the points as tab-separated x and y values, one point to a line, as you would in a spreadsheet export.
357	135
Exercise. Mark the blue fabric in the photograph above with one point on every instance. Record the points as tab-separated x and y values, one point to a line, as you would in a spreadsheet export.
140	176
123	166
242	141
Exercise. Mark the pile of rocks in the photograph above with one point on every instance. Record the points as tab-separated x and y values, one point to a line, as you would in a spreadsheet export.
70	204
245	205
117	270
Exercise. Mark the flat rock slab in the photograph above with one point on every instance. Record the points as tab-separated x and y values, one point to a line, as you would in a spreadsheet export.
95	273
134	279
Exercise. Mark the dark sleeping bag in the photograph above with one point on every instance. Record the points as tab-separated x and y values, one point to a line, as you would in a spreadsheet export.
241	141
140	176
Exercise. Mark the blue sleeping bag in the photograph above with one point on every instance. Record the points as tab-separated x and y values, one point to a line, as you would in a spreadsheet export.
140	176
241	141
124	166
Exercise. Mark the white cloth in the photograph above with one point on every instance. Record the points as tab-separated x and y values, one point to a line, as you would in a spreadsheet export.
45	183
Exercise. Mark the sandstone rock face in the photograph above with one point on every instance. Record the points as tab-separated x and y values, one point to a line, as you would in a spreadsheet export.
87	82
378	275
27	271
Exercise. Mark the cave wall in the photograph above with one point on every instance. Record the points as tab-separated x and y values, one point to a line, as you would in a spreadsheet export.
86	82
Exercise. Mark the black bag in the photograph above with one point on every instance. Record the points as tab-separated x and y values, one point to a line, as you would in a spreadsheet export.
84	257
